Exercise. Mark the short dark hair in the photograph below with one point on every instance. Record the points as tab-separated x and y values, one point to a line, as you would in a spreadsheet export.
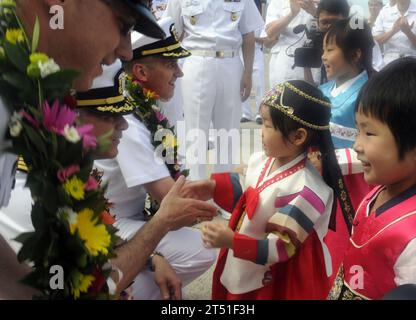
350	39
340	7
389	97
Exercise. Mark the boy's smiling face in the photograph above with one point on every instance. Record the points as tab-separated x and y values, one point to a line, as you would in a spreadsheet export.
377	150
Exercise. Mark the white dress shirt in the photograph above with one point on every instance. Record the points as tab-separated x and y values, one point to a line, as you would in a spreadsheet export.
399	44
214	24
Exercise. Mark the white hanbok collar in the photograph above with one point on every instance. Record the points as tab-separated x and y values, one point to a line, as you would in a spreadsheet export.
346	85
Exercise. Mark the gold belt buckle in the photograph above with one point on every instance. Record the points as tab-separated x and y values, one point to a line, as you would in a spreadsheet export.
219	54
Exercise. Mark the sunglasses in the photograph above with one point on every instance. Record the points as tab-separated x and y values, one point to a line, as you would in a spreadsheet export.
124	17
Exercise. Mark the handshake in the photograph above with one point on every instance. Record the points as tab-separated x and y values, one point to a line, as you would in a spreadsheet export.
185	204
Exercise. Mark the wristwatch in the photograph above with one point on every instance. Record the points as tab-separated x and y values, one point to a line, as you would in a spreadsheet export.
149	263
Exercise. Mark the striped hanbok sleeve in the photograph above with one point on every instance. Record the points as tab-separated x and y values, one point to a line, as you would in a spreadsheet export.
286	230
228	190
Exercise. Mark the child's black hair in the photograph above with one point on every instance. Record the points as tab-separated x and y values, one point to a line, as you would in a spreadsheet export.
336	7
350	39
389	98
316	114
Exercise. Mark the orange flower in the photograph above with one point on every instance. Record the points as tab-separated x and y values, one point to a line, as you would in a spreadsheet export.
150	94
107	218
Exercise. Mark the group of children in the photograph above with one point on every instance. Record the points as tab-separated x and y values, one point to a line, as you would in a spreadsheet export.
278	244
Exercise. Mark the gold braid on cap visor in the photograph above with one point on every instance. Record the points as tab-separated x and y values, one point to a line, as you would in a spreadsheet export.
272	98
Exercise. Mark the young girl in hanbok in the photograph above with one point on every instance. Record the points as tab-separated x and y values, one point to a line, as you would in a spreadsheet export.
273	247
382	250
348	60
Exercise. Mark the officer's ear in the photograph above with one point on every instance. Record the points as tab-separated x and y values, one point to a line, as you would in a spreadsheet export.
140	72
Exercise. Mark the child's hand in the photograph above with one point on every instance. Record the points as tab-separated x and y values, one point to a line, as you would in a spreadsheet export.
217	235
241	170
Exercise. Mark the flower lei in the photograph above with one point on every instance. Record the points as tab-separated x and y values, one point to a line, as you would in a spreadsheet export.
70	213
162	134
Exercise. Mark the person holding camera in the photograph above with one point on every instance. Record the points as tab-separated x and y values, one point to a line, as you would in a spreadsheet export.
281	19
328	12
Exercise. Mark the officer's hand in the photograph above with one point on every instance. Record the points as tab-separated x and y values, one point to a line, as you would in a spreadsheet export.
167	280
245	86
200	190
176	211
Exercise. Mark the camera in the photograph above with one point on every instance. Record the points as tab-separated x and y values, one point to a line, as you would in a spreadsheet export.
309	55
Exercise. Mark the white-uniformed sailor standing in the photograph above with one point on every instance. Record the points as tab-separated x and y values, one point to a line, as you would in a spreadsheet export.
215	81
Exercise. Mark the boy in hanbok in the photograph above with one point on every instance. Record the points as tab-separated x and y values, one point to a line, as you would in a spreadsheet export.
273	247
382	249
347	58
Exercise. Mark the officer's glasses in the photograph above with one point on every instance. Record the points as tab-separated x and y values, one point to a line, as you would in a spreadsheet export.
125	19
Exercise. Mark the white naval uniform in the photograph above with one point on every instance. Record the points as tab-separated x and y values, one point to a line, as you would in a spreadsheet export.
7	161
280	67
211	86
126	175
257	79
159	7
399	45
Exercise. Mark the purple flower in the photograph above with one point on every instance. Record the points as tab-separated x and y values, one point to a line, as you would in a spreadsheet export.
91	184
89	140
30	119
65	173
160	116
57	117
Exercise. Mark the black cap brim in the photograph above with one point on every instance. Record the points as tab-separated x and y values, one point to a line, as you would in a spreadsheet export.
146	22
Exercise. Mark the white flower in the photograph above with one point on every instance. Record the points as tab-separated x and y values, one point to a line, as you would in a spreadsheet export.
15	125
159	127
15	128
155	107
48	67
71	134
67	214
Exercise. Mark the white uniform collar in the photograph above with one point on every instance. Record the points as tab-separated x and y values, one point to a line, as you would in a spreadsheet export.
345	86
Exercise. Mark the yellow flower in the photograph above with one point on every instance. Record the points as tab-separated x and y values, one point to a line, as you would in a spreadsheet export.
96	237
2	53
38	57
149	94
169	141
80	283
14	35
75	188
7	3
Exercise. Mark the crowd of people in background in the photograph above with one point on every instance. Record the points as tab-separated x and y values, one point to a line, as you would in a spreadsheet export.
335	183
